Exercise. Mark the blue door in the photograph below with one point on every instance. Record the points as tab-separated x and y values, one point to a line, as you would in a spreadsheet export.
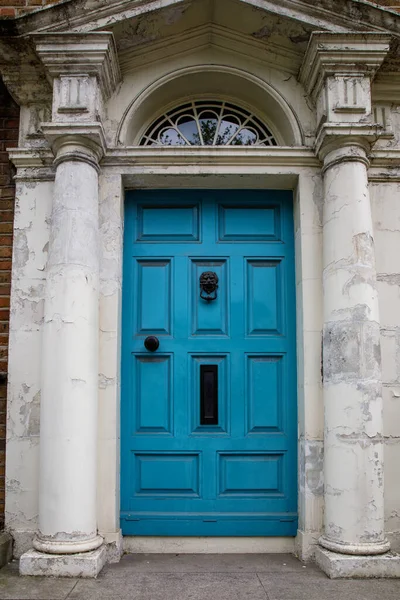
209	423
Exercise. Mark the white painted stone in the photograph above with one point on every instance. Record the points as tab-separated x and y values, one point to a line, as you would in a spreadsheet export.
68	419
340	566
86	564
354	497
207	545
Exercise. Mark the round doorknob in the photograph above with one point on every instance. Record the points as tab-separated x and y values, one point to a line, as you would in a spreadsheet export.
151	343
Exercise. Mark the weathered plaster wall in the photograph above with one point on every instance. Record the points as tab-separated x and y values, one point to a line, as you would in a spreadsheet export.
9	123
31	234
386	214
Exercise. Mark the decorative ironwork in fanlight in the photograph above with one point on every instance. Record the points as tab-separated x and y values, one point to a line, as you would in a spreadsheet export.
208	123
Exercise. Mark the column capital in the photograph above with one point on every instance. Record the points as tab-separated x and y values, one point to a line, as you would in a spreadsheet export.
346	54
83	69
93	54
351	141
78	141
337	72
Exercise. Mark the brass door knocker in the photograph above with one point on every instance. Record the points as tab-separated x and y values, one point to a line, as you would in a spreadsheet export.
208	285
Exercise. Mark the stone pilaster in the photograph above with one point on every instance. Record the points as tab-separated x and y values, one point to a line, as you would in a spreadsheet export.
337	72
85	72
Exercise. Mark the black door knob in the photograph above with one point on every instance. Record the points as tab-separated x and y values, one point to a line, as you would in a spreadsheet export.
151	343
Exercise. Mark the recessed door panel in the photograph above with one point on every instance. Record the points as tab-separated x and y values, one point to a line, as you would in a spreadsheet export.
154	394
263	393
249	223
154	296
264	296
252	474
160	223
208	404
166	474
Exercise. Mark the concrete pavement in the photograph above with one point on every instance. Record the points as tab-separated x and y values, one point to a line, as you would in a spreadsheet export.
199	577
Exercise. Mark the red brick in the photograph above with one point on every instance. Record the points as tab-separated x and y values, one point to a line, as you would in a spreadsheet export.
6	216
7	204
5	252
7	12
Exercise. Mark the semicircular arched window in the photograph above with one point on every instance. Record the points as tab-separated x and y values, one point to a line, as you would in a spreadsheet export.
208	123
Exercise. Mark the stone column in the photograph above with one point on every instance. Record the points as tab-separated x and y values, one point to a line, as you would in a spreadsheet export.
337	73
68	420
353	439
85	72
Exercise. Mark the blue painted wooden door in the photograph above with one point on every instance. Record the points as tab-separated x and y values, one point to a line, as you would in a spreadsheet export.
183	473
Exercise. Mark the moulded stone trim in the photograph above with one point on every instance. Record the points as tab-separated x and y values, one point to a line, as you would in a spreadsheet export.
78	14
68	139
281	118
337	135
92	53
272	54
347	53
217	156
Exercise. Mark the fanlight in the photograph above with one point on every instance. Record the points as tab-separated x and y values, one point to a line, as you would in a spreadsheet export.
208	123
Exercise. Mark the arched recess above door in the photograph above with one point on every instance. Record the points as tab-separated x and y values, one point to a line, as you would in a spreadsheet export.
206	82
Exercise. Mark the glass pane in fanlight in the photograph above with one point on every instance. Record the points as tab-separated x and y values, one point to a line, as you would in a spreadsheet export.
188	127
171	137
245	137
208	124
228	127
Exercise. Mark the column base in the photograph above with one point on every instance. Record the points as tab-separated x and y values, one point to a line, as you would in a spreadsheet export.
340	566
85	564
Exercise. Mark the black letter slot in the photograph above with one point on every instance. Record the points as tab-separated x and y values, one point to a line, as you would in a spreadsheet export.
209	394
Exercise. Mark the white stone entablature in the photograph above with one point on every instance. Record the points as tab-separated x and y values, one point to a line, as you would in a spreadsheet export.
326	126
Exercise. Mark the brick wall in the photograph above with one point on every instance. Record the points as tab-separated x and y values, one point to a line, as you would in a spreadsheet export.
9	121
16	8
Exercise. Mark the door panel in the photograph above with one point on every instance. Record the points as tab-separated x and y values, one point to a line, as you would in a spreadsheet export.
208	420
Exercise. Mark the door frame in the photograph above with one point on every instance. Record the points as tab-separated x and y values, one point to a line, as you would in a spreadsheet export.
295	169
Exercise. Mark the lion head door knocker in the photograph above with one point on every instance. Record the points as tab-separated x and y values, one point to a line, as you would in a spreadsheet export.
208	285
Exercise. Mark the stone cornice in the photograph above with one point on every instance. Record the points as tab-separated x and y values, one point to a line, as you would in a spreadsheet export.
39	163
168	156
274	156
32	164
331	15
92	54
341	54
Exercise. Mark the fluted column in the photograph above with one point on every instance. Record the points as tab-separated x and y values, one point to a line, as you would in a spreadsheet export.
352	383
